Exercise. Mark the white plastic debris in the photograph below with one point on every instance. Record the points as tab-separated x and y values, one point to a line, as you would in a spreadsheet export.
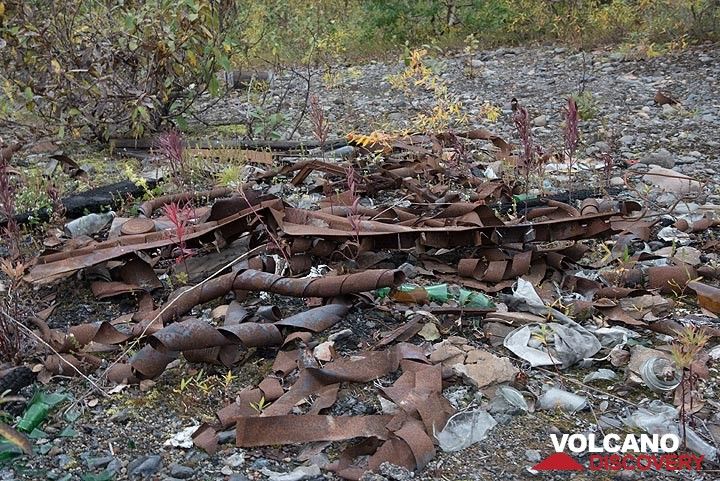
510	397
297	474
661	418
490	173
555	398
465	429
570	343
182	439
525	290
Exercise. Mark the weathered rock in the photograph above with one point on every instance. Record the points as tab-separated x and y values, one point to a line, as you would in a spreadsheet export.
145	466
661	157
181	472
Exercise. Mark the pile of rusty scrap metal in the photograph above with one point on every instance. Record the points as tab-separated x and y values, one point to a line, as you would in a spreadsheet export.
254	241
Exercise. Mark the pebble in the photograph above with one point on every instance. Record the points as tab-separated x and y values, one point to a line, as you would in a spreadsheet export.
238	477
540	121
397	473
145	465
260	463
237	459
625	140
181	472
533	455
101	462
661	157
228	436
617	181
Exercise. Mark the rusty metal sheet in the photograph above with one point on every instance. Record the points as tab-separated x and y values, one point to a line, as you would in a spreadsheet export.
291	429
252	334
317	319
251	280
670	279
708	296
187	335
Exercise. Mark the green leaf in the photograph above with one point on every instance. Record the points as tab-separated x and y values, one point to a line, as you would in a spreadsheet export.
223	61
214	86
182	123
28	94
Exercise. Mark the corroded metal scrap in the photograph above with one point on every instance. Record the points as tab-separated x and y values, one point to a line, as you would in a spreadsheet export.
404	438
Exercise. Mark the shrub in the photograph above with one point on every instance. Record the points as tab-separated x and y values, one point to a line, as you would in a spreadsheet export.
110	67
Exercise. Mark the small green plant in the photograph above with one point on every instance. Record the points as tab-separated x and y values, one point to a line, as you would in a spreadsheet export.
260	405
184	384
231	176
180	278
586	105
228	378
198	380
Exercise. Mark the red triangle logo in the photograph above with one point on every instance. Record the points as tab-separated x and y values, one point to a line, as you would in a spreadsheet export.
558	462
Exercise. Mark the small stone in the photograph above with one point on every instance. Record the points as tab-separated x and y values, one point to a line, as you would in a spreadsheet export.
101	462
625	140
617	181
225	437
705	59
476	63
370	476
145	466
237	459
397	473
668	109
661	157
533	455
338	336
603	146
181	472
238	477
260	463
540	121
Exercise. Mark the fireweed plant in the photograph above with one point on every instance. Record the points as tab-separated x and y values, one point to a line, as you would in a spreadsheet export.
178	217
571	138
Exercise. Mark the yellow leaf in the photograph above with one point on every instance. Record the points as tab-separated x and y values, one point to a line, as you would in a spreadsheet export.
55	65
16	438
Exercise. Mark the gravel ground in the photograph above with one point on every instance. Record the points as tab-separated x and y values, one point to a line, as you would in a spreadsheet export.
125	433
